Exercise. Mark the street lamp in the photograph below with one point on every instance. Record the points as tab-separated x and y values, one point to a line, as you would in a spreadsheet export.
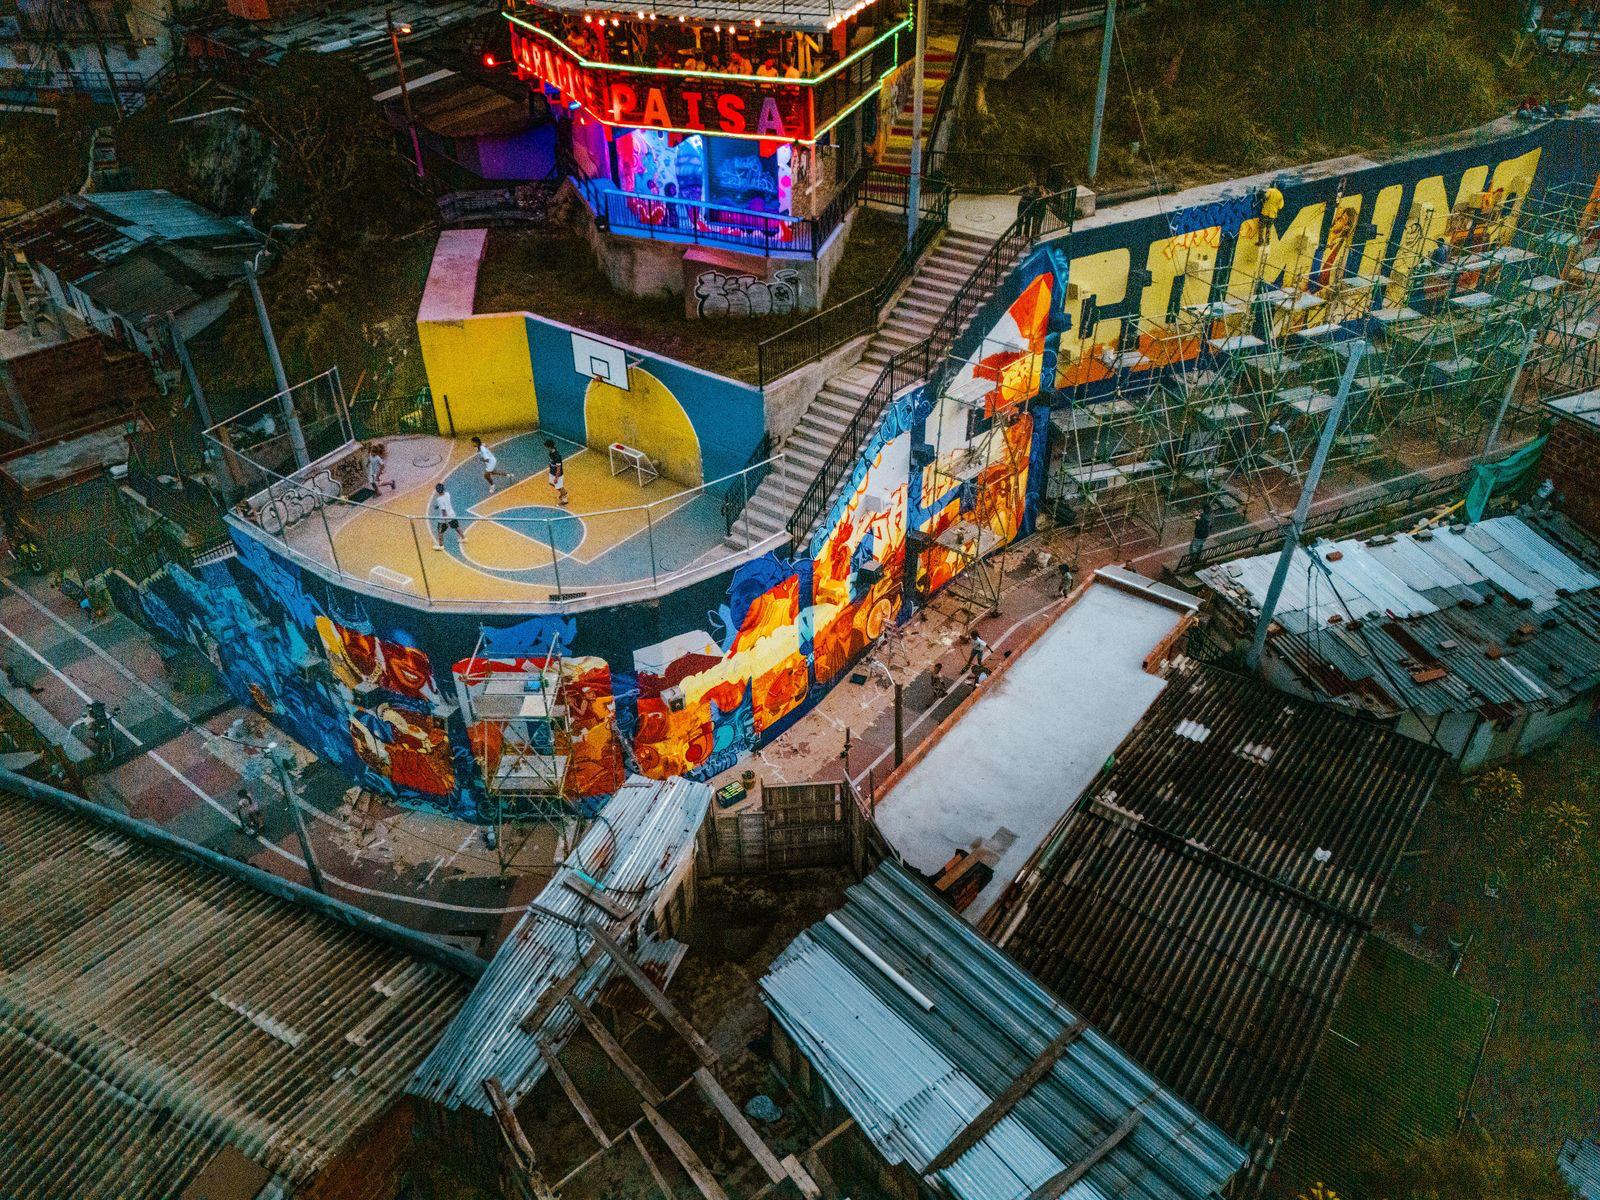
395	31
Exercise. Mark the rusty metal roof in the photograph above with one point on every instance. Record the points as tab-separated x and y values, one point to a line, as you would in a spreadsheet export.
634	857
1205	899
158	1006
1490	617
137	254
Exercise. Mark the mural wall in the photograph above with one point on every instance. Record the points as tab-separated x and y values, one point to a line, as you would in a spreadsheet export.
692	682
1309	232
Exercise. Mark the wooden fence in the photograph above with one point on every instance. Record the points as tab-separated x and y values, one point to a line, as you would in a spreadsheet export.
797	825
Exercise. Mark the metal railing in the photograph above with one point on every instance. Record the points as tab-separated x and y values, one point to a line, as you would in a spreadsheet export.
996	170
823	332
1383	506
308	514
926	361
702	223
393	416
310	520
1023	24
758	466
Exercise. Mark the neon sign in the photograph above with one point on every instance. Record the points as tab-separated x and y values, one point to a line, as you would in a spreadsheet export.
710	104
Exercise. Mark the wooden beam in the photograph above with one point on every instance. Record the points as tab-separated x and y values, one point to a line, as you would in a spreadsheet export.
649	1161
687	1158
571	1089
596	897
511	1128
615	1052
657	998
802	1176
767	1189
1058	1185
996	1110
557	991
723	1103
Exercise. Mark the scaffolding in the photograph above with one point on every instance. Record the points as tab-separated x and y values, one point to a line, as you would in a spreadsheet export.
980	449
519	716
1466	323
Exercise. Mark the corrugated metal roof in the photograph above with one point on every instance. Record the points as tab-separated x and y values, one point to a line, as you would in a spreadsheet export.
1466	618
157	214
637	850
138	254
913	1078
1204	901
155	1009
1584	407
1579	1163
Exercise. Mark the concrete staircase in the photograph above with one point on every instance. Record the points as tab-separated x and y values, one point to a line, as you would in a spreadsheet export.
896	157
943	272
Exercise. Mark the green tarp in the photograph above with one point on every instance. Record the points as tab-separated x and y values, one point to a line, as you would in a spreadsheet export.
1488	479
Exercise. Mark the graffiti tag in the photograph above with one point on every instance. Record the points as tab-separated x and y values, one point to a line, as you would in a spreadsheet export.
722	295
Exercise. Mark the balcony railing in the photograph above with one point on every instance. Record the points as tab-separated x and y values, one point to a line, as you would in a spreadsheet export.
702	224
713	102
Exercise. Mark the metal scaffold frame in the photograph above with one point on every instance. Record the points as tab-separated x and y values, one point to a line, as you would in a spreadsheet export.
1468	321
522	736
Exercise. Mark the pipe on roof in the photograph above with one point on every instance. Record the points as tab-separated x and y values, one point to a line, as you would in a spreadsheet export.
409	940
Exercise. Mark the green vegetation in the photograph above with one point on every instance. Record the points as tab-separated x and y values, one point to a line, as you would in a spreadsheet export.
41	157
1534	943
1394	1067
1469	1167
1209	91
552	271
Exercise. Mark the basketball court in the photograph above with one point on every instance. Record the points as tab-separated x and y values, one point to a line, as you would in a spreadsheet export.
620	532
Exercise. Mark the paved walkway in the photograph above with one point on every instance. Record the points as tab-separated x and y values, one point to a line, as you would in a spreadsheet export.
175	767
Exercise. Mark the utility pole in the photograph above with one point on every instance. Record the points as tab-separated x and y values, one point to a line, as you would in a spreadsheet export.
1106	39
280	760
297	437
1528	344
181	349
914	183
1297	522
405	92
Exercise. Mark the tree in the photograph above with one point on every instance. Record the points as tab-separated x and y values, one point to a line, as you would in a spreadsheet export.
1471	1166
336	167
1553	836
1493	806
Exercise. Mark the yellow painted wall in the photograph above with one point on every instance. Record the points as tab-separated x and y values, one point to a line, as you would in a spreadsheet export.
481	372
647	417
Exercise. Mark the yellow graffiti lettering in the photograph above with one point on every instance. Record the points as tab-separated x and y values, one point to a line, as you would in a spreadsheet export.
1426	223
1102	277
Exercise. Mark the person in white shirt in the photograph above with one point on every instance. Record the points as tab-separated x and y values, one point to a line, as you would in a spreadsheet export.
489	463
442	516
375	465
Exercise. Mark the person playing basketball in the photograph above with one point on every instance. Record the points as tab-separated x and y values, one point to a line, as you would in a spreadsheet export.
375	467
558	474
442	517
489	463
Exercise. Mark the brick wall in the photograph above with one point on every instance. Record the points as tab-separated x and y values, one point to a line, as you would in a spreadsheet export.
1572	460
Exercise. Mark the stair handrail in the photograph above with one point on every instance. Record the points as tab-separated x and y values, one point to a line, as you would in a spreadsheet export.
824	329
972	22
926	361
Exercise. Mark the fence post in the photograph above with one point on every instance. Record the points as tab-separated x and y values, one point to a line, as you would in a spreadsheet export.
422	568
333	551
650	531
555	557
744	511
